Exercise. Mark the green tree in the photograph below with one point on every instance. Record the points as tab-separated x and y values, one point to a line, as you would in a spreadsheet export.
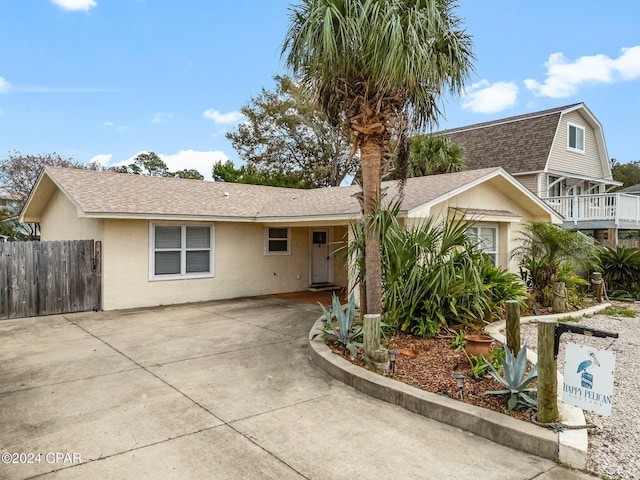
381	67
285	131
227	172
149	164
432	155
627	173
546	249
190	173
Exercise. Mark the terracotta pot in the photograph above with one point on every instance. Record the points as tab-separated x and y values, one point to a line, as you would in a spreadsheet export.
408	352
478	344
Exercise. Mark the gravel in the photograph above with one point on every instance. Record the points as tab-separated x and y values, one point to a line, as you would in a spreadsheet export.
614	449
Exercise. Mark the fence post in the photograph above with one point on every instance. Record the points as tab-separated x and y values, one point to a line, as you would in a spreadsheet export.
513	325
559	300
547	373
596	281
371	339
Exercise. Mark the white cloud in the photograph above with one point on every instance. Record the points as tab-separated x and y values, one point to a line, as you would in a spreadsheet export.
484	97
102	159
202	161
74	5
107	123
161	118
565	77
4	85
224	118
199	160
628	64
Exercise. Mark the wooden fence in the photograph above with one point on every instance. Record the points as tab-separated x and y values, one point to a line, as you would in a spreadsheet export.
45	278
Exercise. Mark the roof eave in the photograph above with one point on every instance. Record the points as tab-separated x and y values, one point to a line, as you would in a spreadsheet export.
457	191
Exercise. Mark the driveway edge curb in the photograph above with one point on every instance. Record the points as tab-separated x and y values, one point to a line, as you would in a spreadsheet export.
488	424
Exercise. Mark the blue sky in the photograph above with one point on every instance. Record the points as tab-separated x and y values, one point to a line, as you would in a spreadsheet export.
107	79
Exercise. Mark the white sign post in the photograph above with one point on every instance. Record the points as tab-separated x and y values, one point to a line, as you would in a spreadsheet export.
588	378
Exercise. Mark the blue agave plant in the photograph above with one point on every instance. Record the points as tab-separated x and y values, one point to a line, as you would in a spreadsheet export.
346	333
520	396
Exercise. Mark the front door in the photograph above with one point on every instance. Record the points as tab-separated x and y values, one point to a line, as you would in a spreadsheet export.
320	261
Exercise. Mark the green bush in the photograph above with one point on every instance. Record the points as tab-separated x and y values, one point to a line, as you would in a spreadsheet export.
432	276
549	254
621	270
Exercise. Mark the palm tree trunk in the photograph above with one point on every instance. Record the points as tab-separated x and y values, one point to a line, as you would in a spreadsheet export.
371	161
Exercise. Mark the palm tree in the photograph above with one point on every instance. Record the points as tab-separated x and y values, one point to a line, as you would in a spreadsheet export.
380	66
431	155
544	248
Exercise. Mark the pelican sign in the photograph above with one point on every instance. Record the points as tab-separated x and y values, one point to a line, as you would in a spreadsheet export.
588	378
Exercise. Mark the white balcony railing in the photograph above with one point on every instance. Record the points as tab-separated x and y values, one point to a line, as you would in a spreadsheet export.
616	208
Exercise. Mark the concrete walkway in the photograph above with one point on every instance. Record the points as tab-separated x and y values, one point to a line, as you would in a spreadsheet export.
212	390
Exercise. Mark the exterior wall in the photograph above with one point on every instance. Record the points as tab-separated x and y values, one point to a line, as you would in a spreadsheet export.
340	260
566	161
241	267
496	194
60	221
529	181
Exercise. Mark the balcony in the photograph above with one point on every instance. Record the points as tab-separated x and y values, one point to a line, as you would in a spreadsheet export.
600	211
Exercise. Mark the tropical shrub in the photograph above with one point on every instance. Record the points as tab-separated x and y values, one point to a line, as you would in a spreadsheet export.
546	251
502	286
432	276
621	270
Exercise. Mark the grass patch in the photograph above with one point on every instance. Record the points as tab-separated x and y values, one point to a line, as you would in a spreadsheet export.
620	312
568	319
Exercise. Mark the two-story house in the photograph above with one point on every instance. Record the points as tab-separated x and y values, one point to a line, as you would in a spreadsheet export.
560	155
8	201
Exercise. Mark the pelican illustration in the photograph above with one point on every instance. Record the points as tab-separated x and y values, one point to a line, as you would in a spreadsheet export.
587	363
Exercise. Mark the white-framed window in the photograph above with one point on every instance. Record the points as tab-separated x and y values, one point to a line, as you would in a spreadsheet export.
486	237
575	138
277	241
180	251
555	187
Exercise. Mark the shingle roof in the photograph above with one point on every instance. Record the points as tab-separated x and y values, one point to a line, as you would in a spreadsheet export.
103	194
517	144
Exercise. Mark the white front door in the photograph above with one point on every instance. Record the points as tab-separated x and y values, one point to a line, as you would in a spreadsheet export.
320	261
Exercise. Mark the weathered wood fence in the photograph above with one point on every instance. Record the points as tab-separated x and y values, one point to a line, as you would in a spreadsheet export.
45	278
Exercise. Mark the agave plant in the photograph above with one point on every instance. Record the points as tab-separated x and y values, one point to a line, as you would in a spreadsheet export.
343	329
514	370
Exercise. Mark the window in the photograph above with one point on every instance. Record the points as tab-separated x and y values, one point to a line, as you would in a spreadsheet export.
277	241
181	251
555	187
576	138
487	240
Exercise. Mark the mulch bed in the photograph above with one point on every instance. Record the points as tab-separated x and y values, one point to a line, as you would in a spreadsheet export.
433	368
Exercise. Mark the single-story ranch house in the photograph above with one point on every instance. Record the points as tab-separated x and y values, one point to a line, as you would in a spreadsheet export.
168	240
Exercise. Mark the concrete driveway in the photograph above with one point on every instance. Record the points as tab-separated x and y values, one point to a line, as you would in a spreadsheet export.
212	390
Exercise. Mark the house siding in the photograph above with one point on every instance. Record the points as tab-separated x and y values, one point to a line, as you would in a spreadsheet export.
529	181
566	161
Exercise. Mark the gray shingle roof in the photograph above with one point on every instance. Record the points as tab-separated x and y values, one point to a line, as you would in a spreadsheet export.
103	194
517	144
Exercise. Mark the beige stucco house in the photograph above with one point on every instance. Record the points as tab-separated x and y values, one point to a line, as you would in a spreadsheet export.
167	240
